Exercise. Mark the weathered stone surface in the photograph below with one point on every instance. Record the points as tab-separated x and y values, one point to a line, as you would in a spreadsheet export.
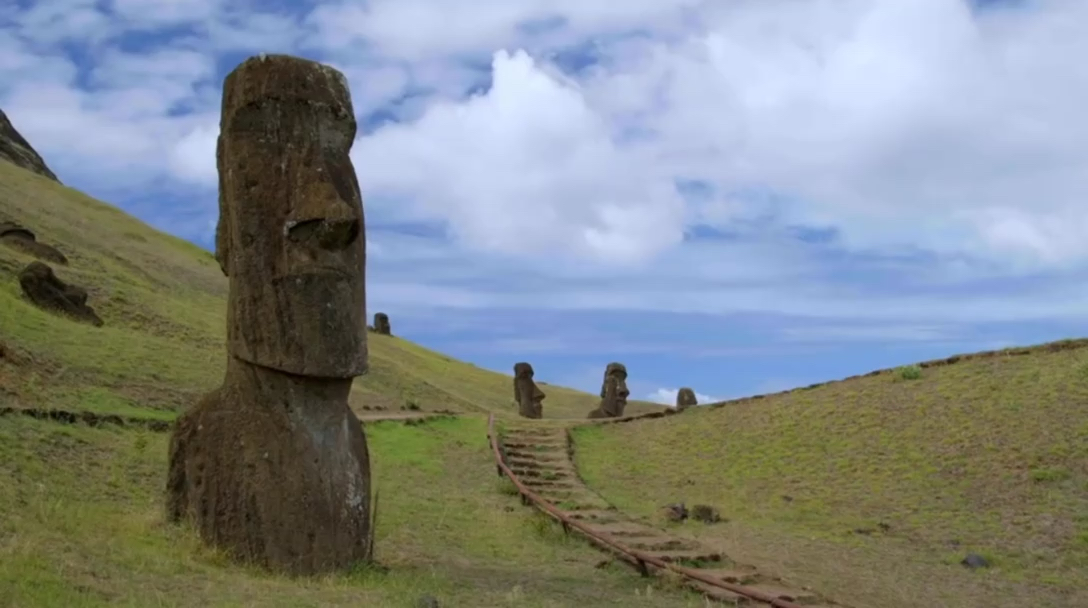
675	512
613	392
685	398
527	394
16	150
705	513
381	324
17	237
273	466
42	287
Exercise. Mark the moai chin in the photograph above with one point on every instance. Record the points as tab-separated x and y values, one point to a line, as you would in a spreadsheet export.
685	398
527	394
614	392
272	466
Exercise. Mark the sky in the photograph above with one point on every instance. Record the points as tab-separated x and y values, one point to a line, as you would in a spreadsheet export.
738	196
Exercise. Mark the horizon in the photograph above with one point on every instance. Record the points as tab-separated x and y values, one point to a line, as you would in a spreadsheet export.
739	199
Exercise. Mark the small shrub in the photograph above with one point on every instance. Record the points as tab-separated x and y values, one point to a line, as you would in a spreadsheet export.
412	405
910	372
1049	474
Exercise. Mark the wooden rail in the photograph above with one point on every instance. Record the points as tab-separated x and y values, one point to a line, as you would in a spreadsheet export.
638	558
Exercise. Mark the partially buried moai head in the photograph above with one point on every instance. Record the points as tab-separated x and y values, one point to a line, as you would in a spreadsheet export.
685	397
526	393
614	387
291	231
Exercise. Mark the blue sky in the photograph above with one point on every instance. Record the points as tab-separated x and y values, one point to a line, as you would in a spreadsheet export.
739	196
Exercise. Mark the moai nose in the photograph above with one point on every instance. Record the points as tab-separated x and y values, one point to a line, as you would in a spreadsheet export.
330	234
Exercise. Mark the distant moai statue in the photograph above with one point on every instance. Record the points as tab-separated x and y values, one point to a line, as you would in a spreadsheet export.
381	324
272	467
613	392
685	398
527	394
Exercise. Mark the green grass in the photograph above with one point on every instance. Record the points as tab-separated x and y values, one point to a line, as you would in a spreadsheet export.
163	303
987	455
82	525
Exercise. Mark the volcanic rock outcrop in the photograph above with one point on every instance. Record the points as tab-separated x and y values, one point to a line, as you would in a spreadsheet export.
272	467
685	398
527	394
17	237
381	324
16	150
613	392
42	287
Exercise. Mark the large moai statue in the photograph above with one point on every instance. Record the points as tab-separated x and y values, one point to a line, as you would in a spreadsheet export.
272	466
685	398
613	392
527	394
381	324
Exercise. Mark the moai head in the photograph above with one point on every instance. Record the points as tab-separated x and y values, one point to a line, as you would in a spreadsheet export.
685	398
13	230
614	390
527	394
290	233
381	324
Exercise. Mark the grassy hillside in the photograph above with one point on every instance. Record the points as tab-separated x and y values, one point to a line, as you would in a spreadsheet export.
163	303
82	526
872	489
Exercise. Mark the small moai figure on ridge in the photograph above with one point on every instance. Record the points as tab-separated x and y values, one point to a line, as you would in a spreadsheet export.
614	392
527	394
381	324
685	398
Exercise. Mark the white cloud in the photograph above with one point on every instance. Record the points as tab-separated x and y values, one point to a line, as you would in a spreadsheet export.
667	396
527	168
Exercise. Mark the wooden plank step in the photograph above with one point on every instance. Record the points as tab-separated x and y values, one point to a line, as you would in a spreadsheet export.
797	596
737	576
690	555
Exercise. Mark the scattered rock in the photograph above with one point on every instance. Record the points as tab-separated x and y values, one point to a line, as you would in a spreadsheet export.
706	514
685	398
427	601
527	395
974	561
17	237
675	512
272	467
381	324
46	291
16	150
787	498
614	392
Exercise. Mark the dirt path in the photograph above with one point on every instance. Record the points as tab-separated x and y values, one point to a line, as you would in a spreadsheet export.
541	459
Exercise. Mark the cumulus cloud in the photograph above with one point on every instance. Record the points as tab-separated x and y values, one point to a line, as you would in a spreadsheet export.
526	168
667	396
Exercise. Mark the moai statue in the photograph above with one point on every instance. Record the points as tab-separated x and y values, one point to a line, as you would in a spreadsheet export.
272	467
527	394
685	398
381	324
42	287
18	237
613	392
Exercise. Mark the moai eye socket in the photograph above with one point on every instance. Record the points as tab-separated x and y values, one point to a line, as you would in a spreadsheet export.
327	234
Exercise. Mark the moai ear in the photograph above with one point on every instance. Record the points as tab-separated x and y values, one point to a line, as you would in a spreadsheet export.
222	227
